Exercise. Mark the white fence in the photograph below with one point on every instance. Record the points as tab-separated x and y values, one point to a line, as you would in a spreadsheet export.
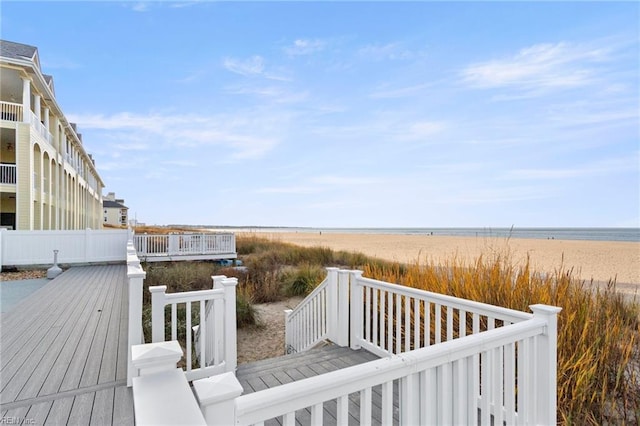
19	248
215	335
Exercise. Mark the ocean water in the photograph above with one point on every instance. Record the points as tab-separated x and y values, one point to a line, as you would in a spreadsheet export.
593	234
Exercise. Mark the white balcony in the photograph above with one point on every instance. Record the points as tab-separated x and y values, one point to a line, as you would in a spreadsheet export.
10	111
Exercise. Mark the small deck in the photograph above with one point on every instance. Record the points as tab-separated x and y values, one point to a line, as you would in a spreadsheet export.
64	351
260	375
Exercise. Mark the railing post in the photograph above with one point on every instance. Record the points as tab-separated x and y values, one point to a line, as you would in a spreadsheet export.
136	277
217	322
157	312
332	304
216	396
546	361
355	317
230	337
172	244
288	332
153	358
342	319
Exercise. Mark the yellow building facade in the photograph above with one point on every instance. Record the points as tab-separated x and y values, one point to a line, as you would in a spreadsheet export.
47	179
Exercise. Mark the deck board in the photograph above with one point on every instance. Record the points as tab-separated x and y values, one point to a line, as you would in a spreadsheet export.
64	352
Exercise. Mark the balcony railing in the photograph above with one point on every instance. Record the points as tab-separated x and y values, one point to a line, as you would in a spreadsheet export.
10	111
8	174
40	128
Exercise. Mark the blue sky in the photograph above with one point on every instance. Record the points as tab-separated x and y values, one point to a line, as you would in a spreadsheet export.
362	114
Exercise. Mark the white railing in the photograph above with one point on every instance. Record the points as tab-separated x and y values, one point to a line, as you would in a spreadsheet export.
507	374
10	111
135	278
307	324
18	248
149	246
40	128
215	311
8	174
391	319
477	364
386	318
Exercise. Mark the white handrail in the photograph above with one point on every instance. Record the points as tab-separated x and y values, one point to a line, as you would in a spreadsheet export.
150	245
464	383
224	313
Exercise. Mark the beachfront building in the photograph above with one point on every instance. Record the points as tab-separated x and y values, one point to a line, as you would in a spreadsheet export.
47	179
115	212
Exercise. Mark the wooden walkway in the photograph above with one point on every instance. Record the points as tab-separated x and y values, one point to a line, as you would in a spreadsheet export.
63	358
273	372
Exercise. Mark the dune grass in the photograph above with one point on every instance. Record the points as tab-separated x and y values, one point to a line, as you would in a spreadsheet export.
598	329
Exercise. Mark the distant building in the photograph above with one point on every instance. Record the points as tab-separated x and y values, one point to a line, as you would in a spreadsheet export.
47	179
115	212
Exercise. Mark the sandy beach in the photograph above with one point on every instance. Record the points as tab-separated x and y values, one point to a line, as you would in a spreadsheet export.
597	260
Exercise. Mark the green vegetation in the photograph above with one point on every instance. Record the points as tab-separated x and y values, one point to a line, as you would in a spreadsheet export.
599	331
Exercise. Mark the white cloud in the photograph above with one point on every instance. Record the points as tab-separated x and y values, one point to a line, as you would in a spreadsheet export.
246	135
559	65
305	47
389	51
250	66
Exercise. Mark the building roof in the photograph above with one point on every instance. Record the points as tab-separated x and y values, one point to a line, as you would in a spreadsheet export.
113	204
9	49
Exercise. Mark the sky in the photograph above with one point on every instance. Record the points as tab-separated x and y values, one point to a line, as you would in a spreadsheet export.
351	114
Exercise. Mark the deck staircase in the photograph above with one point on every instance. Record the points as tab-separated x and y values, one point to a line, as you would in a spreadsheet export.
259	375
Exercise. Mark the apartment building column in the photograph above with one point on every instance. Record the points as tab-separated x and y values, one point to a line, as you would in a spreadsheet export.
26	100
46	123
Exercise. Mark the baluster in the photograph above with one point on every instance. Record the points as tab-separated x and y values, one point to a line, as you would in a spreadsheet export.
188	332
416	323
398	305
438	321
374	296
203	335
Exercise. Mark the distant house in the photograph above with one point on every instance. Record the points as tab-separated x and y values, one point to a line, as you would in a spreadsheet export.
115	212
48	180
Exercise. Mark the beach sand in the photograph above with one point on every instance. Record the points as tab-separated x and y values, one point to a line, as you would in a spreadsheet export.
597	260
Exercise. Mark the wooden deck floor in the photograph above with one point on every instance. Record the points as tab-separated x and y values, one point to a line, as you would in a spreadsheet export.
63	358
269	373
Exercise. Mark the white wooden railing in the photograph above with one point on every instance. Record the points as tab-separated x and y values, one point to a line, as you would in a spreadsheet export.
8	174
453	361
393	320
308	324
216	333
150	246
40	128
135	279
453	382
10	111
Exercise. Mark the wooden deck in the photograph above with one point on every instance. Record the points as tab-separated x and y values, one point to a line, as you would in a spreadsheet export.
63	358
273	372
